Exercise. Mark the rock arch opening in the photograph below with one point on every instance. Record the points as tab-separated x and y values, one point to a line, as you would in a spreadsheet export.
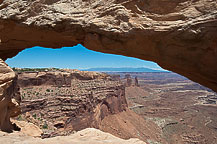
77	57
54	81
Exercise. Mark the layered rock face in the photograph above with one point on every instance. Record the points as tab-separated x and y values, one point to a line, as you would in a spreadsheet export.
179	35
9	97
61	102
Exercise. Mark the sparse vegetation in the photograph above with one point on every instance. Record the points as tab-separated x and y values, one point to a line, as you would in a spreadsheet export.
33	69
19	118
34	115
45	126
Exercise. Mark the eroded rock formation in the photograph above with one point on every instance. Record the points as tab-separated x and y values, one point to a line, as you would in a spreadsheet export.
9	97
64	101
179	35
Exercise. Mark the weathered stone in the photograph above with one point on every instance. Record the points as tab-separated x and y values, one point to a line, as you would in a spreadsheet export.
179	35
28	129
90	135
9	97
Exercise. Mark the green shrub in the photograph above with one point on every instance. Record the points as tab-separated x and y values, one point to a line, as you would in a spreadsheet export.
34	115
45	126
19	118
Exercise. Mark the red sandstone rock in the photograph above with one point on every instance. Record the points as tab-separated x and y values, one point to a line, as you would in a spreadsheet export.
9	97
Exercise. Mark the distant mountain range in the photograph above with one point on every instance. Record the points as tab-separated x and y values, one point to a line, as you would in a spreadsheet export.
125	69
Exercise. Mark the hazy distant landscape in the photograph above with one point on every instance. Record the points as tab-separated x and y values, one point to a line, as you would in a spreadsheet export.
125	69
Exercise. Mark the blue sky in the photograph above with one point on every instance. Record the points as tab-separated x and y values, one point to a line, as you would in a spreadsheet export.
77	57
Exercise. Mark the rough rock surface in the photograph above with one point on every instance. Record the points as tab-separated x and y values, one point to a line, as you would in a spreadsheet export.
86	136
9	97
179	35
28	129
61	102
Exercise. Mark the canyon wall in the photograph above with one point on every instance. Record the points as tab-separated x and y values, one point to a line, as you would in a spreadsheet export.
63	101
180	35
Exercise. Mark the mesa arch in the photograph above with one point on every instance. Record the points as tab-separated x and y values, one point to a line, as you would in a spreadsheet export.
180	35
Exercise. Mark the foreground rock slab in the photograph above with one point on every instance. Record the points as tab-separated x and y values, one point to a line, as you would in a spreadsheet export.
86	136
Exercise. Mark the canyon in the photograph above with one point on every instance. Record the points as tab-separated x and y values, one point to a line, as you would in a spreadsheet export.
57	103
69	100
65	105
63	101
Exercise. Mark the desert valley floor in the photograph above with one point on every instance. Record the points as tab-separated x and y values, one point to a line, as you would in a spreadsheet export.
184	111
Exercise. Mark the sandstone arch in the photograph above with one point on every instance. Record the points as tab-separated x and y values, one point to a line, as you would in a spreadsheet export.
180	35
